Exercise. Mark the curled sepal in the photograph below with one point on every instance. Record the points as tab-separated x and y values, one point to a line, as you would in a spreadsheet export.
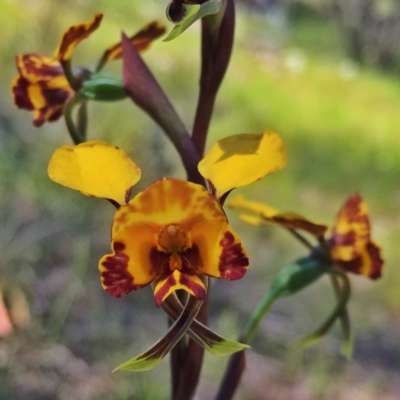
340	307
242	159
96	169
297	275
204	336
141	40
74	35
101	87
150	358
184	15
258	214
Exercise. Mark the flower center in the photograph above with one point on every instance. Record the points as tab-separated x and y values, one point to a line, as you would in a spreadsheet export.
174	240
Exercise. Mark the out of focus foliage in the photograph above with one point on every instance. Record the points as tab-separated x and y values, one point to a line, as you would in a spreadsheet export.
307	76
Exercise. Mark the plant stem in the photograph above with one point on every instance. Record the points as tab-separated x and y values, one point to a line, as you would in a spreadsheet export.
341	304
73	82
300	238
76	136
216	48
189	371
237	361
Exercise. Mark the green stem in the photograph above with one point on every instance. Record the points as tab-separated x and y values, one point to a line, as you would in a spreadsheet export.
237	361
82	119
256	317
347	346
340	305
301	238
72	129
73	82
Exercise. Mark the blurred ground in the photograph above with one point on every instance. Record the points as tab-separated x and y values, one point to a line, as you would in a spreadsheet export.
339	121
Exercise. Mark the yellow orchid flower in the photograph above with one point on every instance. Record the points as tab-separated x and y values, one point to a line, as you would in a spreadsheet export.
173	232
350	245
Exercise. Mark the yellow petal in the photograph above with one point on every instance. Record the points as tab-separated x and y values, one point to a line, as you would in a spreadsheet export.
222	254
372	262
96	169
178	281
351	229
257	214
135	261
169	201
242	159
74	35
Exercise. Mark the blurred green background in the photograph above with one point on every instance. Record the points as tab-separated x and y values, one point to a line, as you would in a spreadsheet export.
322	76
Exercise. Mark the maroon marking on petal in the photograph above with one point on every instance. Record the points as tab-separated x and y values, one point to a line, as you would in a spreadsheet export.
56	115
119	246
35	64
233	262
20	92
55	96
376	260
158	297
191	259
353	265
198	290
159	261
116	278
357	266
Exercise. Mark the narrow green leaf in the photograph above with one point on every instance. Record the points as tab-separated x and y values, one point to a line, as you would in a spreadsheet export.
202	334
139	364
150	358
225	347
347	348
193	12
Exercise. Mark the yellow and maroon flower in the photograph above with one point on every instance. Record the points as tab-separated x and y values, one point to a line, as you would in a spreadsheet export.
175	231
41	85
171	234
351	246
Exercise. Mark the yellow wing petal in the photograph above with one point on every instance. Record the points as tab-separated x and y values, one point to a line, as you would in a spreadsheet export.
242	159
96	169
258	214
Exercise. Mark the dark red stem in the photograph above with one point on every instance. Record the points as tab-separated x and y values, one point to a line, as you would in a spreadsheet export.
216	48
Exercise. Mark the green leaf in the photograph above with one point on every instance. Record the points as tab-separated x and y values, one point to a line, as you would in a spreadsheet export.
193	12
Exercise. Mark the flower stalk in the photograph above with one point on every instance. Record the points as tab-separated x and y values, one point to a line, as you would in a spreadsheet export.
217	35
